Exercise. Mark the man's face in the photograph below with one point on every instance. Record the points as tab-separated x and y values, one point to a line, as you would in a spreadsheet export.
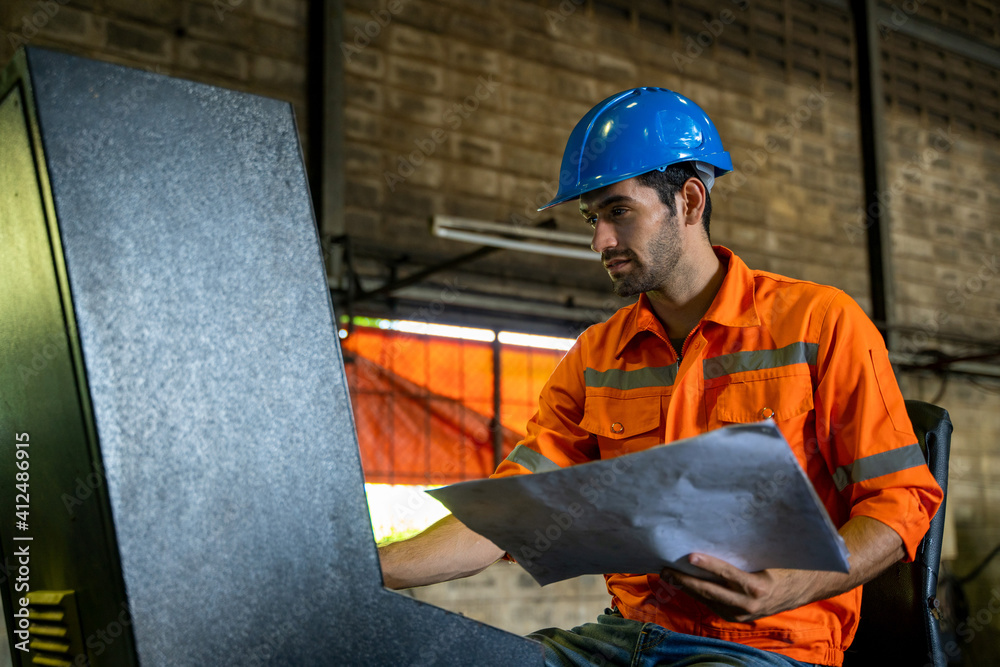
636	234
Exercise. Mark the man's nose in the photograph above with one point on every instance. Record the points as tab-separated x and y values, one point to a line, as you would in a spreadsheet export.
604	236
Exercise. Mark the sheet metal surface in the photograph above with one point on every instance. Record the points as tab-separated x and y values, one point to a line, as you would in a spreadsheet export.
216	380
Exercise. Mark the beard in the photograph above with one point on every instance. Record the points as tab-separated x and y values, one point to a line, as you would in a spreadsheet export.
662	257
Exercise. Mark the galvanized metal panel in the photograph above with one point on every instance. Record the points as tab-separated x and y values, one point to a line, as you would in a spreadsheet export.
217	388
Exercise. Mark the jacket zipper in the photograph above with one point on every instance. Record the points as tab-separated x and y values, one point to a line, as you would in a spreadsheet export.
680	353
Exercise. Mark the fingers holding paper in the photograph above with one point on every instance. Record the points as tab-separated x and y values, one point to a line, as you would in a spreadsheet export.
737	595
741	596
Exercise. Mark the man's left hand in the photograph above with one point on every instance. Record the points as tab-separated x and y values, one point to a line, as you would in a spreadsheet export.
745	596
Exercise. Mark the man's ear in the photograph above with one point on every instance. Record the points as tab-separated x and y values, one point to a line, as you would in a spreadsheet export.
692	201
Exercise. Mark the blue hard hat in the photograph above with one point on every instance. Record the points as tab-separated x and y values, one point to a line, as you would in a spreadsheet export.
634	132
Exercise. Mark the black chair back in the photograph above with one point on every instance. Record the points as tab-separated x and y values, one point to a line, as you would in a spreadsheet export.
899	618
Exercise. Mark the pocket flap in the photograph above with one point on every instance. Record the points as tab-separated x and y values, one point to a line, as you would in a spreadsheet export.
619	418
777	398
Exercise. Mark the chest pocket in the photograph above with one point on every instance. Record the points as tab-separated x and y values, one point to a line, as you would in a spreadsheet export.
782	399
623	425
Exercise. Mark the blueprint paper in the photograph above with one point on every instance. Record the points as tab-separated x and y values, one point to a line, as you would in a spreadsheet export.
737	493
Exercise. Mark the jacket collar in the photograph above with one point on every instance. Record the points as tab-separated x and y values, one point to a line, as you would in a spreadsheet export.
733	306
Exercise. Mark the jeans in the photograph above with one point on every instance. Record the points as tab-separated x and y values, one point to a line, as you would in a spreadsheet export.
616	641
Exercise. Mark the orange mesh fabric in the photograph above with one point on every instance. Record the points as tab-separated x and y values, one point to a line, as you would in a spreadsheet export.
423	405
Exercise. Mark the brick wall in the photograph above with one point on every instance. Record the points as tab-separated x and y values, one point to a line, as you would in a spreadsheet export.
978	18
943	193
463	107
943	189
504	595
257	46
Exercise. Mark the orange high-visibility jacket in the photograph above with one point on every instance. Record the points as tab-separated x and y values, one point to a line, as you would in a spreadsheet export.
769	346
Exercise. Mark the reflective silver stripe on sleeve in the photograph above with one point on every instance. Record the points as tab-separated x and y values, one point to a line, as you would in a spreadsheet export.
616	378
877	465
755	360
531	459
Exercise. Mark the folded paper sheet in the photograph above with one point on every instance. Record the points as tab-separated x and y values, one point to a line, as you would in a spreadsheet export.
737	493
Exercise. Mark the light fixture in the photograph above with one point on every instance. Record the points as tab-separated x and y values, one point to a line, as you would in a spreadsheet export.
445	330
465	333
500	235
533	340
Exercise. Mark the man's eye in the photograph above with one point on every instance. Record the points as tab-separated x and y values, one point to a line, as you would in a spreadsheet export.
618	211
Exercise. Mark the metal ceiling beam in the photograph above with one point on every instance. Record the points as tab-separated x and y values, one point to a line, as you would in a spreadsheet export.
892	18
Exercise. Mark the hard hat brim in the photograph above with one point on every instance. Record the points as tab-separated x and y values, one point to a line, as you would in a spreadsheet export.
722	163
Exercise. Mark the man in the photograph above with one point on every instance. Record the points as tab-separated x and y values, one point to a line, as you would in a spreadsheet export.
708	343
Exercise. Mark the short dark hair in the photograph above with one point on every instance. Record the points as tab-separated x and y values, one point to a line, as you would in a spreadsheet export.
669	182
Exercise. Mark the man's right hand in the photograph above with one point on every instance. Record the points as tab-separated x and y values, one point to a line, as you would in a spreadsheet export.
445	551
